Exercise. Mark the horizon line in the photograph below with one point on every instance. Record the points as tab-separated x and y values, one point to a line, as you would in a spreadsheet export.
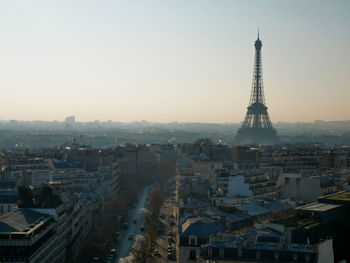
158	122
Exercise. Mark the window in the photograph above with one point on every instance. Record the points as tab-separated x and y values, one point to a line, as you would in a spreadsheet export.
210	253
192	254
221	253
192	241
295	257
258	254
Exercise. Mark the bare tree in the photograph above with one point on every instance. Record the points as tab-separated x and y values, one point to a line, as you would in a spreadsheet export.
156	199
140	252
151	235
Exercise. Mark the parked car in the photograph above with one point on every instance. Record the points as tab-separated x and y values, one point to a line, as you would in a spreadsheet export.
142	228
111	257
130	237
159	230
156	253
125	225
134	220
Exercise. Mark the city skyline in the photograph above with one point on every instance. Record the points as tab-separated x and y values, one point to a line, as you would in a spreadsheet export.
165	62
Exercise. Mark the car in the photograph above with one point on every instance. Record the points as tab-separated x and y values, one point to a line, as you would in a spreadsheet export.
159	230
170	239
170	255
162	215
134	220
170	249
113	251
142	228
171	217
170	233
156	253
110	258
130	237
125	225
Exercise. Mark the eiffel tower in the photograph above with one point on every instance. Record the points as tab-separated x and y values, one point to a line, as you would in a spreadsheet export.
257	127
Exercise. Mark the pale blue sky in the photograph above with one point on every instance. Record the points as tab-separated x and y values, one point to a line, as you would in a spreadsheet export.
180	60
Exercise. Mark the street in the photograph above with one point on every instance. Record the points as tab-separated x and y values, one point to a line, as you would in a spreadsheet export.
168	209
125	244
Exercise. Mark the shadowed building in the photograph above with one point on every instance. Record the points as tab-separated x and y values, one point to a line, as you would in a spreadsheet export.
257	127
29	236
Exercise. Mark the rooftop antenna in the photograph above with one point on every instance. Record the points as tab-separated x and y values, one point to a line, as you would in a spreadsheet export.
258	33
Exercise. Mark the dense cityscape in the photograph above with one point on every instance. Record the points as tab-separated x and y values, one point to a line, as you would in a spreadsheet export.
164	202
109	191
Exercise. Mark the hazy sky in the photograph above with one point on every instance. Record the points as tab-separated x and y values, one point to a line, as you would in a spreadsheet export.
179	60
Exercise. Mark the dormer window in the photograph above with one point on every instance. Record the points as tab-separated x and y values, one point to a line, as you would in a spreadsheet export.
192	240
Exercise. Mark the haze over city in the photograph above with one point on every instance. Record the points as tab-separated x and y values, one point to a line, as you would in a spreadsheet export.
168	61
174	131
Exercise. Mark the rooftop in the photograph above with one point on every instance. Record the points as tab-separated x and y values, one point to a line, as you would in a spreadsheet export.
259	245
343	196
21	220
201	227
318	207
9	197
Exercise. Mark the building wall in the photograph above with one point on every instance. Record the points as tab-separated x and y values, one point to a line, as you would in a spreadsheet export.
326	252
306	188
47	253
184	253
6	207
237	187
62	229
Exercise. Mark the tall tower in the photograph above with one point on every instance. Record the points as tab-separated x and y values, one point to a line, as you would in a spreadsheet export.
257	127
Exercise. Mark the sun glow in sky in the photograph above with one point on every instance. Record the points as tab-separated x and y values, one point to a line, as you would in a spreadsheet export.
183	60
